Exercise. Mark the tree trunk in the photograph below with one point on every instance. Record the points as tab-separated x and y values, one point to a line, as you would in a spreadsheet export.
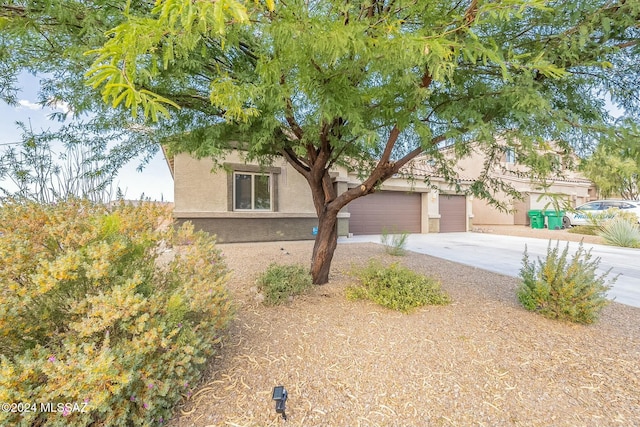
324	247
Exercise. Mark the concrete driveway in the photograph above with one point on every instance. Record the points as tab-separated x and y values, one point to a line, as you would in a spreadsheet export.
503	254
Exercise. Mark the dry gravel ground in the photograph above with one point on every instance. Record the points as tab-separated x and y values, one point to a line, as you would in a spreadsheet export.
481	361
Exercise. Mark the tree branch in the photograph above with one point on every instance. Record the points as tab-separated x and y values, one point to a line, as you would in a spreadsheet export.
293	124
388	148
291	157
471	13
10	11
415	153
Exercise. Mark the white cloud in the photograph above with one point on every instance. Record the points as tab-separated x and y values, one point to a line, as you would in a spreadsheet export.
24	103
52	104
56	104
61	106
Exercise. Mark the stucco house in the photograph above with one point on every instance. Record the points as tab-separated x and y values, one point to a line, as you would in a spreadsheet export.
245	202
570	185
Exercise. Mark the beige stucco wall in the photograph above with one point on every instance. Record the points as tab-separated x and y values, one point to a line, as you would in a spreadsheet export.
572	185
198	189
202	193
472	165
486	214
195	187
575	193
202	197
471	213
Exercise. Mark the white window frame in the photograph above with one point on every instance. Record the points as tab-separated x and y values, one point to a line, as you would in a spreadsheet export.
253	193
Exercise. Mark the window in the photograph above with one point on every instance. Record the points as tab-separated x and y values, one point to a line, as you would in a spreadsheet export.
510	155
251	191
622	205
593	206
252	187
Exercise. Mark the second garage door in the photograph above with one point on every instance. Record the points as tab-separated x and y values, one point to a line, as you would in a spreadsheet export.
391	210
453	213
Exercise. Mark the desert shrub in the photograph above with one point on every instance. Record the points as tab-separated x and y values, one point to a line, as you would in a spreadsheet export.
279	282
621	232
394	244
600	219
564	289
396	287
588	230
625	215
88	315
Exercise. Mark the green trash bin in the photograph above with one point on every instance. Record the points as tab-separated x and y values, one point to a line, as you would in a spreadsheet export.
537	218
554	221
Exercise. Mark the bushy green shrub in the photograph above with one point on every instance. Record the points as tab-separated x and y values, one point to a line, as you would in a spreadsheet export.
394	244
90	316
279	282
396	287
621	232
564	289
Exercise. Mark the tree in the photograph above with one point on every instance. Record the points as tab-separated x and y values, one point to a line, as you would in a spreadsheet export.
614	167
368	84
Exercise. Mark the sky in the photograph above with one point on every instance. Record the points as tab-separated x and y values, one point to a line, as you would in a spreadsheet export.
154	180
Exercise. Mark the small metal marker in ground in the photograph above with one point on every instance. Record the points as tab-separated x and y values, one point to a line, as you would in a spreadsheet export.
280	396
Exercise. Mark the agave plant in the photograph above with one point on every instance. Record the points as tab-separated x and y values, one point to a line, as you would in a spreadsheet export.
621	232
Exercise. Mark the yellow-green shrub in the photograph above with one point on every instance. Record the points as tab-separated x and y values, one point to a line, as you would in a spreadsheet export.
89	315
396	287
559	288
281	282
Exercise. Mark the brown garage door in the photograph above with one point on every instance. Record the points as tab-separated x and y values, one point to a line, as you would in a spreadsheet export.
453	213
391	210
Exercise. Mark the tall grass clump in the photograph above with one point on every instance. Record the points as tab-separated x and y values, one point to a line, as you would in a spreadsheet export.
280	282
90	316
562	288
394	244
621	232
396	287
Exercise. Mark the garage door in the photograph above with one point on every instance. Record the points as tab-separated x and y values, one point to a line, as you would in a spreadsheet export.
453	213
393	210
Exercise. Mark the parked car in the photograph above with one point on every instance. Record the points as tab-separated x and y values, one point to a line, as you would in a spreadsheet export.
581	214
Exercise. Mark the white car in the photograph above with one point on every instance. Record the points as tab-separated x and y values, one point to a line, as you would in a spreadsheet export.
581	214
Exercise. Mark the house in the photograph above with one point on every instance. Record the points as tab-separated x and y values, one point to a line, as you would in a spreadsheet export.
571	187
245	202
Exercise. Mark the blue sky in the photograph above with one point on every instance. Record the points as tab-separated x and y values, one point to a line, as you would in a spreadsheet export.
154	181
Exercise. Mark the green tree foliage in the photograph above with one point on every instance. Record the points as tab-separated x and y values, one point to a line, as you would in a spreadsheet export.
615	168
91	314
367	84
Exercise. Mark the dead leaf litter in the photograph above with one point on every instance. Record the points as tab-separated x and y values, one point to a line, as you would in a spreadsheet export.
481	361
